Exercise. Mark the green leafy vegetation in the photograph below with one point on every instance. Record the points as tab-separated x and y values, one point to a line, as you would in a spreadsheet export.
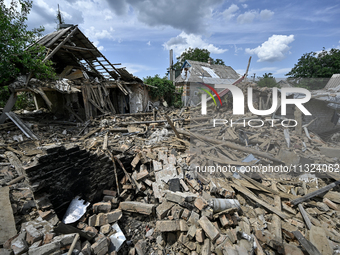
267	81
16	57
163	89
24	100
201	55
312	66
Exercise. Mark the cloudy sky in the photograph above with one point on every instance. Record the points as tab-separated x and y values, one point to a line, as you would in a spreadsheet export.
139	33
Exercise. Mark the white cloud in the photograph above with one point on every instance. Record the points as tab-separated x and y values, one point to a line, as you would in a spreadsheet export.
135	68
274	49
244	5
99	47
247	17
266	14
237	49
268	69
184	41
95	34
283	71
229	13
250	16
148	43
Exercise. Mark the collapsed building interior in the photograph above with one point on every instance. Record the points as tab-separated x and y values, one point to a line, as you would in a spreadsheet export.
88	84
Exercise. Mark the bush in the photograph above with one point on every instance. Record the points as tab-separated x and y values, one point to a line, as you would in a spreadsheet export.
24	100
165	89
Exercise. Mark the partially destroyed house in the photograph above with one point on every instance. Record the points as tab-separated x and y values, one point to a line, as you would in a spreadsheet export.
88	83
195	73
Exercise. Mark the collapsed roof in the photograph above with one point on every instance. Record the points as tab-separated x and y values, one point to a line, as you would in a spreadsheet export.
195	71
70	47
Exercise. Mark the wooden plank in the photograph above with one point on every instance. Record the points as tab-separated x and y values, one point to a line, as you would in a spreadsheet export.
95	105
75	48
13	159
267	189
132	181
231	145
73	113
314	194
101	97
90	133
65	72
106	137
8	107
298	118
75	75
258	250
7	223
303	212
86	102
43	95
95	95
276	221
108	100
61	44
269	207
172	126
115	171
309	247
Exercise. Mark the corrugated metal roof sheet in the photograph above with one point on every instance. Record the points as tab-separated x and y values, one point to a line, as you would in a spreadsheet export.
333	82
209	80
214	73
210	72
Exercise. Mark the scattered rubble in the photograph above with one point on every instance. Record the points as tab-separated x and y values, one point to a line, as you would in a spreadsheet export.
141	186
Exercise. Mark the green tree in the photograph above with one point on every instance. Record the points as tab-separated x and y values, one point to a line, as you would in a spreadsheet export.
201	55
267	81
218	61
312	66
161	88
16	56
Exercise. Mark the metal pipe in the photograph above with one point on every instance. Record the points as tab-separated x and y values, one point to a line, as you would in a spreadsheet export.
221	204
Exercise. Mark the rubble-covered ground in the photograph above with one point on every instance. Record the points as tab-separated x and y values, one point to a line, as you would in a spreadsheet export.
158	202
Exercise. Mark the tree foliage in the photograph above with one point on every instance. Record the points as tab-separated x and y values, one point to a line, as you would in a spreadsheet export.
161	88
201	55
15	56
312	66
317	65
267	81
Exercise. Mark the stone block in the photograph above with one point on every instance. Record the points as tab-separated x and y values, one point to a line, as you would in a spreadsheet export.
46	249
114	216
102	207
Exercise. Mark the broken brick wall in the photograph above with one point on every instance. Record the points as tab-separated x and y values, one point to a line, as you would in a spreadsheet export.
64	173
138	99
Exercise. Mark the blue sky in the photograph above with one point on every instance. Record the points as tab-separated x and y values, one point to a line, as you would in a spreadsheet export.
139	33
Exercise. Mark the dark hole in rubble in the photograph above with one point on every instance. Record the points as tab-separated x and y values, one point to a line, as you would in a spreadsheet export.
66	172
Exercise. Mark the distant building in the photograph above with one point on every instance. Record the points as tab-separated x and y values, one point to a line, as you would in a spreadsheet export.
195	73
284	84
